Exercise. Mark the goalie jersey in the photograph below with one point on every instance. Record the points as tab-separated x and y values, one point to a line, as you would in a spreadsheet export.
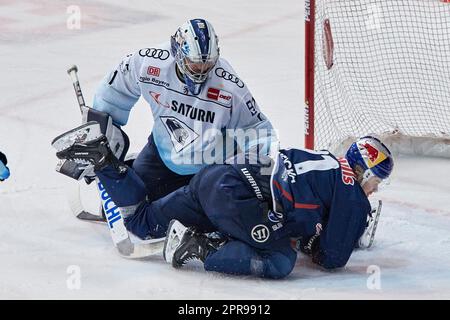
315	193
186	127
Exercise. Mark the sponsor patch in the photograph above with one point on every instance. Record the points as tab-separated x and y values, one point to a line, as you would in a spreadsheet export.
289	172
218	95
154	81
260	233
251	105
348	176
156	97
153	71
277	226
275	217
253	183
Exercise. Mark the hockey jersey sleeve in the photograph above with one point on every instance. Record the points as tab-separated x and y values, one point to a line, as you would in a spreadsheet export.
119	90
256	128
345	224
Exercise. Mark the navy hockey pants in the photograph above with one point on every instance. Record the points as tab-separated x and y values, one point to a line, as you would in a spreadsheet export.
216	199
158	179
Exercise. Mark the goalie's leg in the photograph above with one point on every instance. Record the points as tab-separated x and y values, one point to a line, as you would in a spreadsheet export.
157	177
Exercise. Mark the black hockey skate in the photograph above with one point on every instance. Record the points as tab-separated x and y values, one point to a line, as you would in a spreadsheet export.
184	244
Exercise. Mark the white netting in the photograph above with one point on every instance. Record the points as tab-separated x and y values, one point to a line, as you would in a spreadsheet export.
390	73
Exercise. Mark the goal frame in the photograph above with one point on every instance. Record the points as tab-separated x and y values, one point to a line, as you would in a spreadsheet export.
399	143
310	20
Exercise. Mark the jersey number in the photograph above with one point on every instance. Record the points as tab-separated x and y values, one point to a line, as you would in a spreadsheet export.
113	77
326	163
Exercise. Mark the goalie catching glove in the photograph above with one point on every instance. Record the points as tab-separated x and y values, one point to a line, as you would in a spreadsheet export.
87	149
91	146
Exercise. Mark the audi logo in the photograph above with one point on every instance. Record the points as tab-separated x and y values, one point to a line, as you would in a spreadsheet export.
154	53
222	73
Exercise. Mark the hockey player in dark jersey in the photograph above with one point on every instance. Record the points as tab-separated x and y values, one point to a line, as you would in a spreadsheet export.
311	196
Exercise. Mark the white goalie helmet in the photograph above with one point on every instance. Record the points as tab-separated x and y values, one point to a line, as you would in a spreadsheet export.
195	47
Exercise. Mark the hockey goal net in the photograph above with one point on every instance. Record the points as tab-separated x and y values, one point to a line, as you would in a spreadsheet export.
378	67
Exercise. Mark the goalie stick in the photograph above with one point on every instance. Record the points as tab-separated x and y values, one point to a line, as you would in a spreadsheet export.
119	233
368	237
74	191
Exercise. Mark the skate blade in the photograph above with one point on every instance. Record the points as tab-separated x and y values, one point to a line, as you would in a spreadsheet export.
175	233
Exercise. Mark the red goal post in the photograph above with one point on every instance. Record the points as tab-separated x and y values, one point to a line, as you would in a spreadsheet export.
379	67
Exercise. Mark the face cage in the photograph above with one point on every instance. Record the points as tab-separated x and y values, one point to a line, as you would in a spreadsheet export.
186	65
369	174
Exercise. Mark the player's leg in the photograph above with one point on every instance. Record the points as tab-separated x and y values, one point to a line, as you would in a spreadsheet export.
151	219
216	199
237	257
126	189
158	179
232	257
146	218
232	206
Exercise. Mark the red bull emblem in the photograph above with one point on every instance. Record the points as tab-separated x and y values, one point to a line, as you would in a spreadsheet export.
374	155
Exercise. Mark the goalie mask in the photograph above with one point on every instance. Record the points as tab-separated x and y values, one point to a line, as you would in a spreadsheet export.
195	48
369	157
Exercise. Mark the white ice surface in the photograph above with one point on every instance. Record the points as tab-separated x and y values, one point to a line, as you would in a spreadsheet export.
263	40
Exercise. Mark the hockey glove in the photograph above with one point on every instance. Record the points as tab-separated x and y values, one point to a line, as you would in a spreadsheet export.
309	246
4	170
88	148
117	140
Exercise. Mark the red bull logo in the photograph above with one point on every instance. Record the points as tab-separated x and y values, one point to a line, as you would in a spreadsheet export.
374	155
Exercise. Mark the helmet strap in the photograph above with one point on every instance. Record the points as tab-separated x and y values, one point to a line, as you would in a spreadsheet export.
359	174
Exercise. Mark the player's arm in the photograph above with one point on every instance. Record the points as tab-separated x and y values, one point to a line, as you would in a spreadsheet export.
337	240
119	90
254	129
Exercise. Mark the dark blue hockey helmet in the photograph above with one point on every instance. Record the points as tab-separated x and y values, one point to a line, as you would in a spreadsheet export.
372	157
